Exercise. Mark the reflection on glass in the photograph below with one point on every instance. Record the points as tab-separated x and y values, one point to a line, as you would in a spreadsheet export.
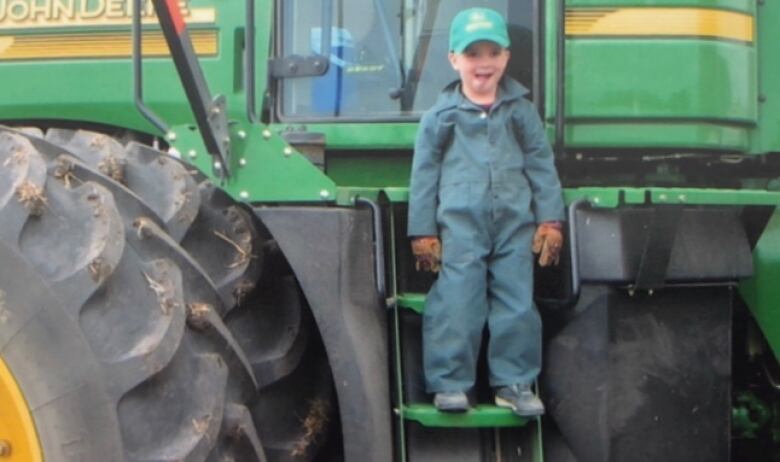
388	58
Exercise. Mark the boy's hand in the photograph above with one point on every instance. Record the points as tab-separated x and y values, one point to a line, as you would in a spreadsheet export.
427	251
548	241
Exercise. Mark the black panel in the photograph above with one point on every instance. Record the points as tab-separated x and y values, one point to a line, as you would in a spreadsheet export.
709	245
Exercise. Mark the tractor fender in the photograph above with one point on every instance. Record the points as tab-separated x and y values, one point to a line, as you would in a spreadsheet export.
330	250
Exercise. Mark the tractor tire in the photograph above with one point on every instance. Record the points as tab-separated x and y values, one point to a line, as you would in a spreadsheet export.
132	265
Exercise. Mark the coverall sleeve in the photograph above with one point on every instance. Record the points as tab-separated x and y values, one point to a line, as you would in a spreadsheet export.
426	170
539	165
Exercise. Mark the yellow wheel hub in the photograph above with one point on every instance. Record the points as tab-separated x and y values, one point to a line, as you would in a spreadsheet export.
18	440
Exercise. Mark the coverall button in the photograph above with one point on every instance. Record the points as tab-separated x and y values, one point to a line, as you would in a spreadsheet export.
483	115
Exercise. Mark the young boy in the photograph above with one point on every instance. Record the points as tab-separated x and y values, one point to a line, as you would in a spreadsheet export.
482	179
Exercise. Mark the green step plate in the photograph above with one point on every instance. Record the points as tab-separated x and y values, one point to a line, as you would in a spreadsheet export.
483	415
414	302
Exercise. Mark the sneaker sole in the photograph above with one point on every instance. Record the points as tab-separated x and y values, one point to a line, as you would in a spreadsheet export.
453	409
500	402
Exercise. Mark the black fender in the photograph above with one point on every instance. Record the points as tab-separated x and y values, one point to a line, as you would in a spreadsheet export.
331	253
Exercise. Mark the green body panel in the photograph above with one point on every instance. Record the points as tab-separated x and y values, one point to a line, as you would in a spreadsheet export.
354	136
101	90
610	197
379	170
657	92
648	79
278	172
762	291
767	136
746	6
654	134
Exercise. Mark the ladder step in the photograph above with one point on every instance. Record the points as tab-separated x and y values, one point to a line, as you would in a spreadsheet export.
412	301
483	415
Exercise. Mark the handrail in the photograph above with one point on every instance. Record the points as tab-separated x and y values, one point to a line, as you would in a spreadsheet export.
379	248
138	95
249	72
574	294
560	80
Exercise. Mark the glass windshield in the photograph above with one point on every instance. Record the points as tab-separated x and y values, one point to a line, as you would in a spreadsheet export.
388	58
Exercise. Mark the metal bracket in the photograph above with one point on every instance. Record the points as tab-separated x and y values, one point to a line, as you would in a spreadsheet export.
298	66
210	113
658	248
307	66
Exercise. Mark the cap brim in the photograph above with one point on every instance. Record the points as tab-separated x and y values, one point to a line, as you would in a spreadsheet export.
498	39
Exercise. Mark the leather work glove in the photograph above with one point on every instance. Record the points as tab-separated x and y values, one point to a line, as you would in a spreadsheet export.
548	241
427	252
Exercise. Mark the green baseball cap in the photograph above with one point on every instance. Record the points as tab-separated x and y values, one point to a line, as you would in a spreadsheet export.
476	24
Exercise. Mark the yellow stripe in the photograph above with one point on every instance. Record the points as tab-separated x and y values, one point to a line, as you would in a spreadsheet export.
97	45
659	22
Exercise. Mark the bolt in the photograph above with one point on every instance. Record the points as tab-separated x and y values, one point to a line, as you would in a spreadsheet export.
242	162
266	133
5	448
217	165
762	98
171	136
241	134
288	151
324	194
650	292
243	195
682	197
596	200
215	110
662	197
192	154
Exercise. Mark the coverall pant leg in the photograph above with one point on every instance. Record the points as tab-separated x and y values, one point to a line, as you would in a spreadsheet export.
515	347
456	306
486	276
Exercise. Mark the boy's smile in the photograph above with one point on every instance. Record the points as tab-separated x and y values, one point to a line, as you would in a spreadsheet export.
480	67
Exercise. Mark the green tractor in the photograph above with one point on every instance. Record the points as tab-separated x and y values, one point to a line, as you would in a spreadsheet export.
203	251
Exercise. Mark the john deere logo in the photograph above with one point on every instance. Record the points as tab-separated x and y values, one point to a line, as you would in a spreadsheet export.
478	21
58	13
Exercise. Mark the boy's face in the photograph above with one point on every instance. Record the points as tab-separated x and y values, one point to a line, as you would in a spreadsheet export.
480	66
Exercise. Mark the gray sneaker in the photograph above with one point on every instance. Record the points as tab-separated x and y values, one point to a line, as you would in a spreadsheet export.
520	399
451	401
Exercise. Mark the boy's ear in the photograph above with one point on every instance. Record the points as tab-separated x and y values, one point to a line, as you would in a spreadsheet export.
453	60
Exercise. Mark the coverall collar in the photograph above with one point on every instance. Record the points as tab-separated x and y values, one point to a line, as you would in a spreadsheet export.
508	90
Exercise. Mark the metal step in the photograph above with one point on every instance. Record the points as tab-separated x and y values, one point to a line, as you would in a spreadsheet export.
482	415
412	301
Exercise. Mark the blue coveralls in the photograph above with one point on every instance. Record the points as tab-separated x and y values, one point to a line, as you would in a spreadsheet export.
481	181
